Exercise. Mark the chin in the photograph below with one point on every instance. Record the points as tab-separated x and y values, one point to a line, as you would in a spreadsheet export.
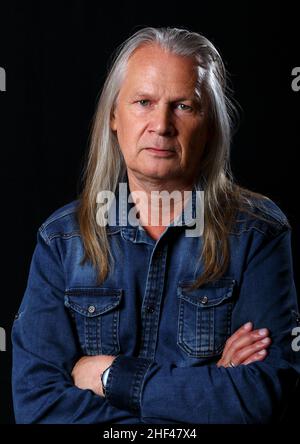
158	174
156	170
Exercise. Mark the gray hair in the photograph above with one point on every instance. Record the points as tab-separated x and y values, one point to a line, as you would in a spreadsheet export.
106	164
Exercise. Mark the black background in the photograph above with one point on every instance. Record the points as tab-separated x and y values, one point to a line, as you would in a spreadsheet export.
56	54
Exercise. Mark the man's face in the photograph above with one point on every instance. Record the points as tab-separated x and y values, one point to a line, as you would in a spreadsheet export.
160	124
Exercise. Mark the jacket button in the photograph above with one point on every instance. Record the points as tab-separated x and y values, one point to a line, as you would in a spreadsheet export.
204	300
150	309
91	309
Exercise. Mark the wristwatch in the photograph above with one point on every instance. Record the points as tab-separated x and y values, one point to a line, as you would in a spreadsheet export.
104	377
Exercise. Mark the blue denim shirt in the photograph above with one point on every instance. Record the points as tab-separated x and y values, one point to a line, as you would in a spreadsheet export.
167	339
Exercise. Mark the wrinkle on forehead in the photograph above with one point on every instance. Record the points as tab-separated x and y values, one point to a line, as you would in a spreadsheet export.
151	69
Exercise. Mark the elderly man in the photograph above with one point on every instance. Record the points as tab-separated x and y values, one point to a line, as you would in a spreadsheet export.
141	323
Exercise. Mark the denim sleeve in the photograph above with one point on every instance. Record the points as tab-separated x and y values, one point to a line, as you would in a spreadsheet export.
45	351
254	393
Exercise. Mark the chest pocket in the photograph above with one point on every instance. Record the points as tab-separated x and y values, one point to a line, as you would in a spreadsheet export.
204	320
96	312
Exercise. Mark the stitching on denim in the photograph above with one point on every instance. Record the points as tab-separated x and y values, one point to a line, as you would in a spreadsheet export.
115	332
134	389
136	386
58	216
256	229
146	369
99	335
44	235
92	340
211	348
93	291
65	235
85	312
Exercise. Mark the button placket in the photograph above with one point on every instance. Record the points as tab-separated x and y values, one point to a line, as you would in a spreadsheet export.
152	301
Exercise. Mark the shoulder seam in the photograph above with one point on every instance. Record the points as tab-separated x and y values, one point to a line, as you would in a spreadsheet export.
277	217
65	235
55	218
282	229
43	234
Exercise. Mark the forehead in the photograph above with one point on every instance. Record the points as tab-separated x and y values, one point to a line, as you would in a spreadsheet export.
152	66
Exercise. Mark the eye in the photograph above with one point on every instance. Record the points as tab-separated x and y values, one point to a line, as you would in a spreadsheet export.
144	102
183	107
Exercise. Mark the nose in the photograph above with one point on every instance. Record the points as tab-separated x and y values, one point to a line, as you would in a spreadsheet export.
161	121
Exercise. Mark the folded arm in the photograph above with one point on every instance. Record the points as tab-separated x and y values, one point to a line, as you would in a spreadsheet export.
253	393
45	351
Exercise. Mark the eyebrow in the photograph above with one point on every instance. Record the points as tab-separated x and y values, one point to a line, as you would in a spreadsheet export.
139	94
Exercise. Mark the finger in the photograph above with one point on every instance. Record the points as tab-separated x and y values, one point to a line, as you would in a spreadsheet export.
238	333
242	356
246	352
249	338
260	356
245	340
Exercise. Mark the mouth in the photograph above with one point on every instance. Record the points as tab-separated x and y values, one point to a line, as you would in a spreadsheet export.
161	152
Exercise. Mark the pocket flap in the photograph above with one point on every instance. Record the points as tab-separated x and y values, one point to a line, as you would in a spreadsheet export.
91	301
209	294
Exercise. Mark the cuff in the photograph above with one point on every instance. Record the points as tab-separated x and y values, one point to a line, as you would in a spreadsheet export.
125	382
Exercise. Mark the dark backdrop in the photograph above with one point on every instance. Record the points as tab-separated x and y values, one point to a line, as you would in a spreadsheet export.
55	56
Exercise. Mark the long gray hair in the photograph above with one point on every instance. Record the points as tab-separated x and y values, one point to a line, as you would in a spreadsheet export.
106	164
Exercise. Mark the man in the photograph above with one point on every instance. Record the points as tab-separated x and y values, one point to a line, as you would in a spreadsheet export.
141	323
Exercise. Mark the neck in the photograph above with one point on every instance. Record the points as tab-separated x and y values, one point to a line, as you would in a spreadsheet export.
151	209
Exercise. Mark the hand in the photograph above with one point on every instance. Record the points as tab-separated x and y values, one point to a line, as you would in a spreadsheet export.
245	346
87	372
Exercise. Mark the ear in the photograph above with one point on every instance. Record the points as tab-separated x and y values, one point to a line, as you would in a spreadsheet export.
113	121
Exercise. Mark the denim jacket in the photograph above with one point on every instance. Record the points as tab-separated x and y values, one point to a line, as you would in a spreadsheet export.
167	338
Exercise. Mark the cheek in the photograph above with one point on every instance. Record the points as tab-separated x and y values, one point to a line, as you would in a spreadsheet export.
194	138
128	134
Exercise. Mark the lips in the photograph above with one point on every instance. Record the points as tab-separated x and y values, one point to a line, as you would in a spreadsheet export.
157	148
162	152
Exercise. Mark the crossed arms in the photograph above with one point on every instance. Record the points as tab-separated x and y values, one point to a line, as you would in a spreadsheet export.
52	383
